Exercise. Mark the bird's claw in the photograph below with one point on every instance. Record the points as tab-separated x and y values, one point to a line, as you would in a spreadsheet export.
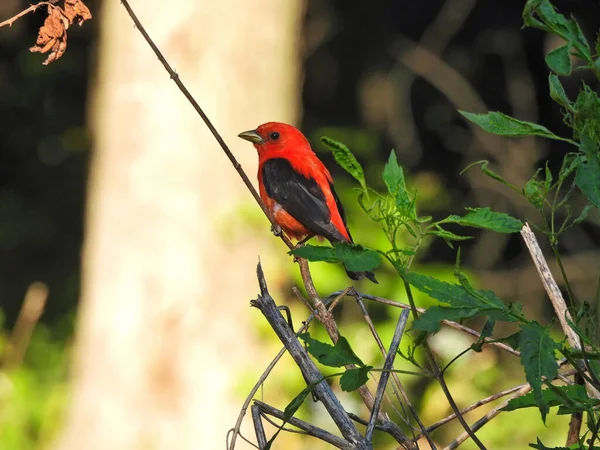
276	230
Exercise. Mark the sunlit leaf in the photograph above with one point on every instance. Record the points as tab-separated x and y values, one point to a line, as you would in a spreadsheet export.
336	355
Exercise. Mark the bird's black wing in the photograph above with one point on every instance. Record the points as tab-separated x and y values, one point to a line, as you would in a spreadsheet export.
301	197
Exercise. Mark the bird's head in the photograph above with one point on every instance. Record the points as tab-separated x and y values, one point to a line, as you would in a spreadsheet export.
275	137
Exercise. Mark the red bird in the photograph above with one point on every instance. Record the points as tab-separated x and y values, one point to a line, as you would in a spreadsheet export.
297	188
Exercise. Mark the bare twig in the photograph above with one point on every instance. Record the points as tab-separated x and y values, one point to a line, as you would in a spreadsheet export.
322	390
236	429
489	416
556	298
31	311
387	366
397	384
32	8
554	294
261	438
305	426
326	318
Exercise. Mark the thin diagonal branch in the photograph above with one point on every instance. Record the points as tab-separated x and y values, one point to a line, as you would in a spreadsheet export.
305	426
387	366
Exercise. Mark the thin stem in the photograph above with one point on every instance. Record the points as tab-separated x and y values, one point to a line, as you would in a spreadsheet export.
440	378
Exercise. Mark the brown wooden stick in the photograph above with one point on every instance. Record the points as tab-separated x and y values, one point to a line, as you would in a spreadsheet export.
32	8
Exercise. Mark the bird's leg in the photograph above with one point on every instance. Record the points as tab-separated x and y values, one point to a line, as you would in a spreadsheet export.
303	241
276	230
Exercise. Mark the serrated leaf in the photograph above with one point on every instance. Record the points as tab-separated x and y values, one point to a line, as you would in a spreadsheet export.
557	91
587	180
541	14
540	446
570	163
352	379
487	219
430	320
503	125
535	192
357	258
571	399
445	234
559	60
463	303
315	253
337	355
344	157
584	116
393	175
537	357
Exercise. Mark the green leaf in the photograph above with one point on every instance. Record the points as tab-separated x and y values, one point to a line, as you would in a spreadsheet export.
557	92
503	125
549	179
344	157
537	357
448	236
356	258
541	14
559	60
583	117
296	403
570	163
535	192
352	379
584	213
486	332
315	253
490	173
393	175
571	399
430	320
329	355
487	219
577	446
464	302
588	180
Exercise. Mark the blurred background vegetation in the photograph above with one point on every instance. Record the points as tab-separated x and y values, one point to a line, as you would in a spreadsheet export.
376	76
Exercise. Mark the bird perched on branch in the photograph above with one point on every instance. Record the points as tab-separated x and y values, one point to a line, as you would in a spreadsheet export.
297	188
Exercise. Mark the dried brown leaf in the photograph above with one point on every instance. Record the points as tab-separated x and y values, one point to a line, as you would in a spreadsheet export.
52	36
76	12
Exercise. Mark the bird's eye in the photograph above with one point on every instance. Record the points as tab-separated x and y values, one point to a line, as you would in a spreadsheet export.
274	135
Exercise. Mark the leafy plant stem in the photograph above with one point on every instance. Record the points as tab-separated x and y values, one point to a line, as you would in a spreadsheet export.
571	301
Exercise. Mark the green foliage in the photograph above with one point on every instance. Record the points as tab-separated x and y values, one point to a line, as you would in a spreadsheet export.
488	220
337	355
503	125
570	399
549	191
344	157
355	257
537	357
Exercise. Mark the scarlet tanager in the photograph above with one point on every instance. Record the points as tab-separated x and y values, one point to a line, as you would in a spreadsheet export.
297	188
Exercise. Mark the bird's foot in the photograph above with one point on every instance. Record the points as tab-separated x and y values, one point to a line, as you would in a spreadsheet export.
276	230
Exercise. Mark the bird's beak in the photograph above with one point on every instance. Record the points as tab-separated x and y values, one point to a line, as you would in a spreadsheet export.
252	136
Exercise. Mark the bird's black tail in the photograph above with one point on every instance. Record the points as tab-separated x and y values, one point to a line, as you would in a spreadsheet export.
360	275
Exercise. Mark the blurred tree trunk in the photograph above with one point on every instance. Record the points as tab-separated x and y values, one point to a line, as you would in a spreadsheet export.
163	330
